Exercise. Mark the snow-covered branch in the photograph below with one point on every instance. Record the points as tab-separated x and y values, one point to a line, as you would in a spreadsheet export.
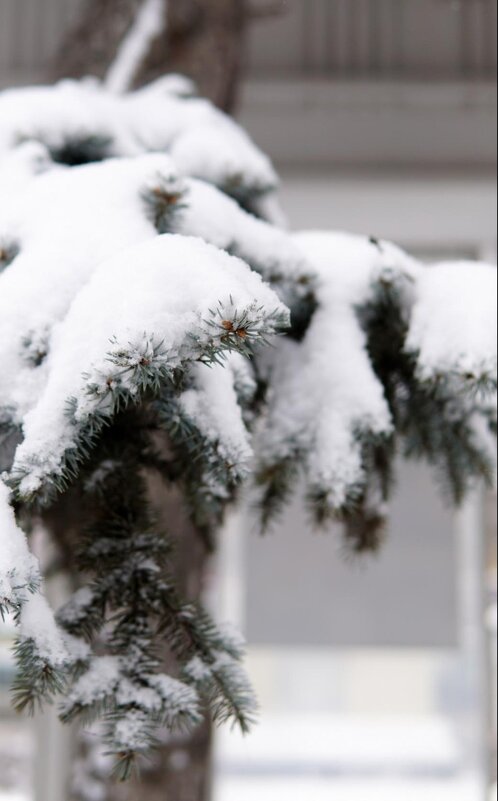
153	327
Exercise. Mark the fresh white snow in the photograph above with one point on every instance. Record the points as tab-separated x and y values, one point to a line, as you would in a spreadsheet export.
79	245
218	219
18	167
212	404
18	566
454	322
90	294
60	252
38	625
13	797
265	789
202	140
162	291
326	391
344	758
327	400
19	576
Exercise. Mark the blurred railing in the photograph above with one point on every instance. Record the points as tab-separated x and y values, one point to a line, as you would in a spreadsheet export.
30	31
395	38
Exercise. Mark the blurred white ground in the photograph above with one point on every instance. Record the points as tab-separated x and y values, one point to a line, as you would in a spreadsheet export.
15	759
342	745
13	797
343	790
317	757
345	759
291	790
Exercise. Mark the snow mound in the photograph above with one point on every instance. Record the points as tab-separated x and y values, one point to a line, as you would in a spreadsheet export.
76	119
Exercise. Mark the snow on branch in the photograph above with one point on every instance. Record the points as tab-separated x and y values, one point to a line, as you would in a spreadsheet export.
55	261
454	323
137	289
218	219
388	353
41	652
159	305
80	122
19	573
328	405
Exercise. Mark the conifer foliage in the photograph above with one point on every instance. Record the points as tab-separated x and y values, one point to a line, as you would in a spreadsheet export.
155	320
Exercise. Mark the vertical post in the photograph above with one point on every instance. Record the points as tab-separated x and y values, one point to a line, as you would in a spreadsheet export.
53	758
229	591
228	600
488	253
53	741
473	608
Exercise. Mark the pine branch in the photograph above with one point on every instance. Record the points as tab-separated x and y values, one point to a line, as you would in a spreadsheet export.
137	373
276	483
164	200
76	150
38	681
434	418
131	612
9	250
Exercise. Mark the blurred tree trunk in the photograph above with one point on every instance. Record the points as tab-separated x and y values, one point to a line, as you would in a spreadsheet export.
181	769
203	39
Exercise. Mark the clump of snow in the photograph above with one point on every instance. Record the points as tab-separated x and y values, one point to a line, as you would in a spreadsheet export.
176	697
41	289
56	260
213	406
18	167
202	140
18	567
152	698
244	383
130	733
19	588
198	671
164	696
38	625
74	111
97	684
454	324
167	287
108	213
218	219
232	639
78	650
327	402
327	398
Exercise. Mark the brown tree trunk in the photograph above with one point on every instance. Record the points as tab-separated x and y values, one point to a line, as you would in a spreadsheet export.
203	39
181	770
